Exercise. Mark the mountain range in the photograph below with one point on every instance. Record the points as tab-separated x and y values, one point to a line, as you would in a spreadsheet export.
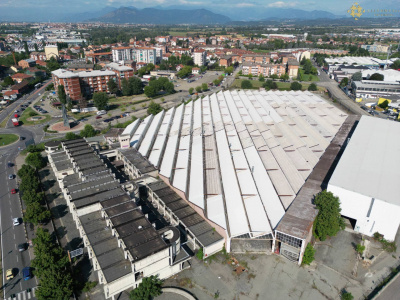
181	14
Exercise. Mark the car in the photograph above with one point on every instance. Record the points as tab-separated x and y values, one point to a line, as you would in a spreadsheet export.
16	221
27	273
13	191
44	111
117	117
177	85
29	102
101	112
22	108
16	111
10	164
180	91
22	247
11	176
98	117
9	274
21	138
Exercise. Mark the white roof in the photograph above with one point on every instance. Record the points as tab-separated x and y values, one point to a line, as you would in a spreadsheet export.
370	164
118	67
243	155
96	73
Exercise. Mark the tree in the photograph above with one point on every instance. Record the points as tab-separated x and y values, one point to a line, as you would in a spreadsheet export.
274	76
26	48
270	85
360	249
100	100
36	160
396	64
150	91
312	87
154	108
112	86
246	84
328	221
384	104
216	82
136	85
88	131
346	296
357	76
71	136
32	197
191	90
377	76
198	89
35	213
229	70
126	87
250	76
53	64
26	171
61	94
295	86
261	78
149	287
308	257
204	86
8	80
184	72
344	82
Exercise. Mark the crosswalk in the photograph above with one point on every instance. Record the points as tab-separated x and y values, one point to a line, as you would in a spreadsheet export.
23	295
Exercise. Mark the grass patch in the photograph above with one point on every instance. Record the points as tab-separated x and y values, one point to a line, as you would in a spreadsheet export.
80	116
309	77
282	86
4	123
7	139
261	51
26	115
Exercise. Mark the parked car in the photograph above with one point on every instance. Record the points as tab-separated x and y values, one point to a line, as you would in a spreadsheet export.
27	273
10	164
101	112
13	191
22	247
16	221
11	176
98	117
9	274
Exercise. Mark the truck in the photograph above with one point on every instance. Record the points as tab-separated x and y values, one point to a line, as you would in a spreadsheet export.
15	121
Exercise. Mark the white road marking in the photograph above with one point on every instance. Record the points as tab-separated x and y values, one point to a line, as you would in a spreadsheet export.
17	258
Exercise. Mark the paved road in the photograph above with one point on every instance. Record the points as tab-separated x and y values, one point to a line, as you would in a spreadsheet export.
392	291
12	236
10	207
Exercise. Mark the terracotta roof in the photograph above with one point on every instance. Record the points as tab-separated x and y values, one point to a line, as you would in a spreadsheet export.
21	76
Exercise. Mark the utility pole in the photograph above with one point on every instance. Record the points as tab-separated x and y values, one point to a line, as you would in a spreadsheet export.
387	57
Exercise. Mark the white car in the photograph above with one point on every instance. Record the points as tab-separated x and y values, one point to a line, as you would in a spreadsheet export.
101	112
16	221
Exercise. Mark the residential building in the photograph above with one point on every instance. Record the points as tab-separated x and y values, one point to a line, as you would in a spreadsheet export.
70	81
35	71
51	51
263	69
195	70
292	68
79	66
21	87
19	77
144	55
199	57
376	48
121	54
95	81
225	61
38	56
121	72
26	63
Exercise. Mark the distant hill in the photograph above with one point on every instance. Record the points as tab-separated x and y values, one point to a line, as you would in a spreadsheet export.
161	16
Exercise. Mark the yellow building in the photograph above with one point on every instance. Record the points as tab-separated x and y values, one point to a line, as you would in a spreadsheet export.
51	51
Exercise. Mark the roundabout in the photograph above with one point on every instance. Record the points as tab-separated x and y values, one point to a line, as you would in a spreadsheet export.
8	139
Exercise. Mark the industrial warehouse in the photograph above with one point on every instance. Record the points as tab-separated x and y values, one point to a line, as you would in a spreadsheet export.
240	159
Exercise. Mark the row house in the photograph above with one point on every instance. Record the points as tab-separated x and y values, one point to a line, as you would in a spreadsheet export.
38	56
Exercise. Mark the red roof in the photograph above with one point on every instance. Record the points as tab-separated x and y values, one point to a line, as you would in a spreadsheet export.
21	76
9	93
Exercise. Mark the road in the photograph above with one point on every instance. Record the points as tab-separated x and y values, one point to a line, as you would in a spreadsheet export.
391	291
10	207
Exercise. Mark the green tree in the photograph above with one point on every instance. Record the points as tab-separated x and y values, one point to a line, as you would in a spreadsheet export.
61	94
26	171
136	85
261	78
36	160
377	76
150	91
270	85
100	100
246	84
312	87
229	70
112	86
149	288
52	64
344	82
88	131
184	72
30	197
154	108
26	48
216	82
204	86
346	296
250	76
357	76
8	81
126	87
285	77
360	249
396	64
35	213
191	90
50	87
274	76
198	89
71	136
328	221
295	86
309	253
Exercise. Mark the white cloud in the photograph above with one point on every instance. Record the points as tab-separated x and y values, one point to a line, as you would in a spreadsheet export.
282	4
244	4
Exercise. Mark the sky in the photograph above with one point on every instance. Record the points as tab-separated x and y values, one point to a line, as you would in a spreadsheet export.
334	6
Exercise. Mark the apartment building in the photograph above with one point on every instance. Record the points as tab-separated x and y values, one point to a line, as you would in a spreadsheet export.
121	72
80	85
38	56
263	69
199	57
26	63
225	61
121	54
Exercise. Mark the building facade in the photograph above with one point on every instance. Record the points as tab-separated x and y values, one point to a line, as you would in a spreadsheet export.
199	57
